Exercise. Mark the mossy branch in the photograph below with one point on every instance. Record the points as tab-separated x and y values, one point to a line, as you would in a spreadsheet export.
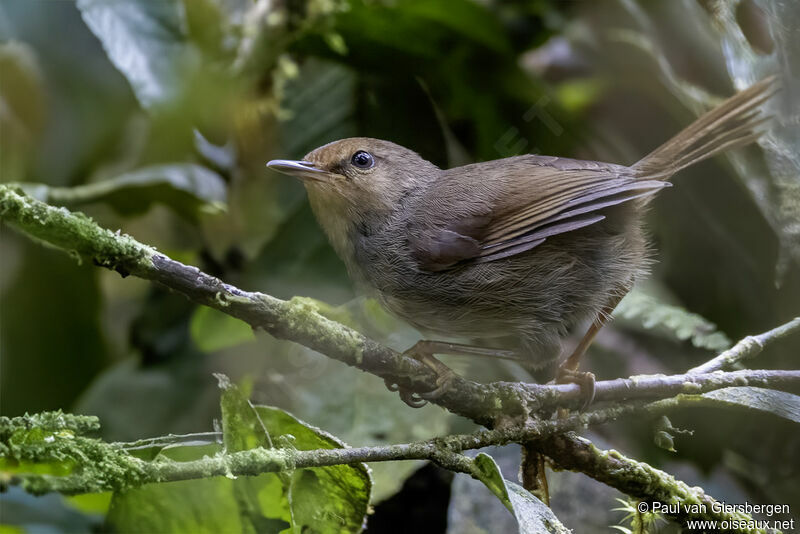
508	407
299	320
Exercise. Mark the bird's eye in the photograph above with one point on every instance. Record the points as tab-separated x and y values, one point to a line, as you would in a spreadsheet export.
362	160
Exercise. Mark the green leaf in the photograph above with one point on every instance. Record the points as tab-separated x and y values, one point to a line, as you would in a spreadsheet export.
205	505
652	313
332	499
213	330
489	473
418	26
329	499
146	41
533	516
91	503
778	403
187	188
470	19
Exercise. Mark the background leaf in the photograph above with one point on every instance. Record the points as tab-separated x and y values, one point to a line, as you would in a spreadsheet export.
651	313
533	516
145	41
186	188
213	330
778	403
22	97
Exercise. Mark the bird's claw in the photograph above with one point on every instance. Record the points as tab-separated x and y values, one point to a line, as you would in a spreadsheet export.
444	377
411	398
443	381
584	379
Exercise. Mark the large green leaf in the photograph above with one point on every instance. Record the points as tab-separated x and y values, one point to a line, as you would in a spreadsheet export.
145	40
332	499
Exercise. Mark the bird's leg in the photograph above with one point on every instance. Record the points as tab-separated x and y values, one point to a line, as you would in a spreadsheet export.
424	351
568	371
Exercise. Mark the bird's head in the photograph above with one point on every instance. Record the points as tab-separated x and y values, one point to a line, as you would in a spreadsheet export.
361	173
358	184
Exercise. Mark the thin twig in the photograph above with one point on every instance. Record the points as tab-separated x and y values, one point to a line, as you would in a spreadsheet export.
445	451
653	387
747	348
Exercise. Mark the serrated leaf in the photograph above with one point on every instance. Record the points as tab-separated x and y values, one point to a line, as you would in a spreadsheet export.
192	506
187	188
533	516
212	330
778	403
145	41
331	499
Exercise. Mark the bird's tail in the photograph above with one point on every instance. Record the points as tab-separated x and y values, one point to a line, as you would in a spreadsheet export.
733	123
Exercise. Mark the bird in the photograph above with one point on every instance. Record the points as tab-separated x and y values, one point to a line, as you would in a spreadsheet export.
509	255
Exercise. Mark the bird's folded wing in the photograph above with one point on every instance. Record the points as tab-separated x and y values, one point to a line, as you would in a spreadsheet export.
555	196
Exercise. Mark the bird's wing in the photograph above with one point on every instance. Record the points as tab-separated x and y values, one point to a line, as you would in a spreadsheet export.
519	205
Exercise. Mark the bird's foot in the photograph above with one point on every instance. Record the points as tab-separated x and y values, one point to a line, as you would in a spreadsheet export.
422	351
584	379
409	397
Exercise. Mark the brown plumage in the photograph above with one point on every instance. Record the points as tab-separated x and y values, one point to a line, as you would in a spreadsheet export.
510	253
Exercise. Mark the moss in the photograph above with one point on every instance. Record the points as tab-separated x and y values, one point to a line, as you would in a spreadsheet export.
302	317
73	232
49	421
691	387
51	442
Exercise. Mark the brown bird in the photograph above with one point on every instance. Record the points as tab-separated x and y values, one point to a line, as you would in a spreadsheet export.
510	254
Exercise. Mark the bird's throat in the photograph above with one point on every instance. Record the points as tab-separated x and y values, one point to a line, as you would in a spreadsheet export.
334	214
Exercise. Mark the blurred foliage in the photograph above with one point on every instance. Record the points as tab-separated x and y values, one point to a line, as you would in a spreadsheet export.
639	308
157	118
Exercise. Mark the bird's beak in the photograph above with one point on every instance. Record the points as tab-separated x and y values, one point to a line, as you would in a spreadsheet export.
305	170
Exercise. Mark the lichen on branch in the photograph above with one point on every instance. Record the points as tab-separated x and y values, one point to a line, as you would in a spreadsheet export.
512	409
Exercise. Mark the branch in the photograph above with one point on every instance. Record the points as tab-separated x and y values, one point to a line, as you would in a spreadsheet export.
506	406
299	320
748	347
654	387
296	320
119	470
101	477
634	478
